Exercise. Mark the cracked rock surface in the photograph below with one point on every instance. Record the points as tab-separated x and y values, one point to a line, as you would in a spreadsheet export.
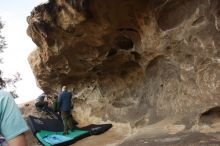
133	61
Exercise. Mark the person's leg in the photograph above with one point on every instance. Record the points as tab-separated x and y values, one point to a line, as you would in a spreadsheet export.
65	122
70	121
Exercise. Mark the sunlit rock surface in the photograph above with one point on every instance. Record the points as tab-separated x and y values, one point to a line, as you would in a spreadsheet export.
131	61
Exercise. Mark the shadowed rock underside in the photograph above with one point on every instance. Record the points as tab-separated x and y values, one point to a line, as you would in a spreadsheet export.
130	61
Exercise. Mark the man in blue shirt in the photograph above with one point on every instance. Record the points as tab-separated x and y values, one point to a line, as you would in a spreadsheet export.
12	125
64	105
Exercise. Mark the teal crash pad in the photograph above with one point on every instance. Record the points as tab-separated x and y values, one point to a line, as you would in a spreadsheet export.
49	138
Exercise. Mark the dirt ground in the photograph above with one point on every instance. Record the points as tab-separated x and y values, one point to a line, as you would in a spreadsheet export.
181	139
163	133
167	133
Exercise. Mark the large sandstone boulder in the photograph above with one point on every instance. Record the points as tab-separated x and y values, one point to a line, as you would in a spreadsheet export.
135	61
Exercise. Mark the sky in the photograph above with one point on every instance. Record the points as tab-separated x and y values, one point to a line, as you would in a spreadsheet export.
13	13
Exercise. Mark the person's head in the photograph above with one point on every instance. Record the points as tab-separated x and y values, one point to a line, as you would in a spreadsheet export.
64	88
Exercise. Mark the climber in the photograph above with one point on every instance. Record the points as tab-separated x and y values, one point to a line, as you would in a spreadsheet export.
40	102
64	105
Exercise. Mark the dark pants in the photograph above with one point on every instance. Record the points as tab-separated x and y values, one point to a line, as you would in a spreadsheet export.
67	121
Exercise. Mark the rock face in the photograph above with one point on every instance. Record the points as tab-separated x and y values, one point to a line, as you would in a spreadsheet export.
135	61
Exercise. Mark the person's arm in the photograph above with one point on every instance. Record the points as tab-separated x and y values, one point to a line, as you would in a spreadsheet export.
12	124
18	141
